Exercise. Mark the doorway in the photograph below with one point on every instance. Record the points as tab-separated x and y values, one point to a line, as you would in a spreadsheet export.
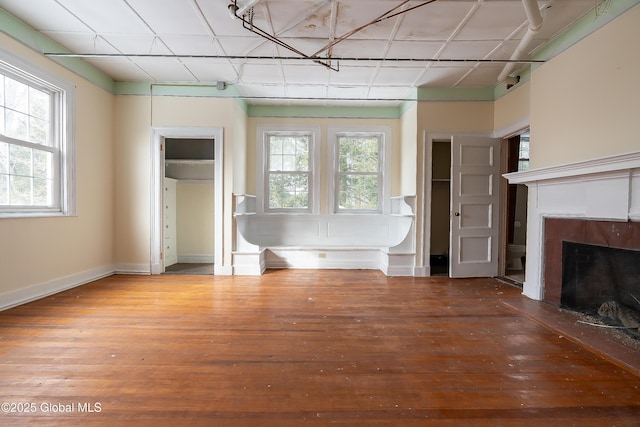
188	200
463	200
517	149
198	173
440	206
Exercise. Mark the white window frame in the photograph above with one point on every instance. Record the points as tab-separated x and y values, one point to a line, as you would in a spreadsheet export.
62	135
384	191
262	160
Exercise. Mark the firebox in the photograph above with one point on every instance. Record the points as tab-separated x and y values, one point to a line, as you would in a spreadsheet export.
593	275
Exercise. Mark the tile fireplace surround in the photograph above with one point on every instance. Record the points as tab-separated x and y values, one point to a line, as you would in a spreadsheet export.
601	197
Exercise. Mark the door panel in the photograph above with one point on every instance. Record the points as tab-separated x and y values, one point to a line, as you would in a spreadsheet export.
474	205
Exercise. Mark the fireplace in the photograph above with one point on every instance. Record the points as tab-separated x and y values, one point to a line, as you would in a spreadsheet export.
593	275
587	263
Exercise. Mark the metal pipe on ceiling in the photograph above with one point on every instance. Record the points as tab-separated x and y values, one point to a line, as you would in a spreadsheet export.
242	10
288	58
534	18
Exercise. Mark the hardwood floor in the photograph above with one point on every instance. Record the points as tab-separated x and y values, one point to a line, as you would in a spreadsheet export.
300	347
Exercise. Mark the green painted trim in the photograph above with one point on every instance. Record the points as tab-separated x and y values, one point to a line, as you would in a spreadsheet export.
209	90
16	29
455	94
406	106
582	28
501	90
325	112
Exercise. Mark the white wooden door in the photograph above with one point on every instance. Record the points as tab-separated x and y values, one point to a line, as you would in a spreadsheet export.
474	207
170	247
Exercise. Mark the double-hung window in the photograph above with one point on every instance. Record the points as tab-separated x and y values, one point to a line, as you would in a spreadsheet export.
35	141
360	184
289	168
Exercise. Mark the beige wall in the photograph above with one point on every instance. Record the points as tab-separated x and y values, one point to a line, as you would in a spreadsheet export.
585	102
195	218
38	251
324	124
408	151
512	109
134	123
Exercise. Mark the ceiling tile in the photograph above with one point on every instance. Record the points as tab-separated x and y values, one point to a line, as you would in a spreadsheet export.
493	21
121	69
396	76
390	92
211	70
441	76
309	74
137	44
414	49
307	91
434	22
253	72
263	90
192	45
107	17
351	74
165	69
347	92
84	42
473	50
482	74
45	15
170	16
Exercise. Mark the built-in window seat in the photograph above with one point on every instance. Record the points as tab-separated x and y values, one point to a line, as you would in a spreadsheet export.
350	241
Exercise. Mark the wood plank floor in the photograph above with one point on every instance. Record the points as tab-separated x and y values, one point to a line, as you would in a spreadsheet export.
296	347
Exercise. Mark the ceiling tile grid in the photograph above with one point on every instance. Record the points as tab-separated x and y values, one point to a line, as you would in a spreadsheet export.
379	50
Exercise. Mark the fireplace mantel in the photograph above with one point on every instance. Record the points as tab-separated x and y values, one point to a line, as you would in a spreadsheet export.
601	189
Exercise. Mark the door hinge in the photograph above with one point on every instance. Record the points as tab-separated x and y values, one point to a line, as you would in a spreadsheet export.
161	255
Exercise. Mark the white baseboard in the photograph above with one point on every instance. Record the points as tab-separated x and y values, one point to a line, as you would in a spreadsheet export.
41	290
133	269
424	271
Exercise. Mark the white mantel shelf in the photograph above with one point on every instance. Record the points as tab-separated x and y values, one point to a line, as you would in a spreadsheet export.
623	162
602	189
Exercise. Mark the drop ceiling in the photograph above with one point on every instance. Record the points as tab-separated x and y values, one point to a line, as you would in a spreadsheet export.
439	44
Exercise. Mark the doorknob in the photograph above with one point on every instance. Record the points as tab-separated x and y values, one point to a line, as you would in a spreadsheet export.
457	213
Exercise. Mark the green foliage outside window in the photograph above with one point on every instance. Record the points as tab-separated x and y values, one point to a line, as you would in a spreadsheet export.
288	171
26	170
359	172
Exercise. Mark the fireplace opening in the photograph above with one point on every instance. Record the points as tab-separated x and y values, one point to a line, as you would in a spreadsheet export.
603	283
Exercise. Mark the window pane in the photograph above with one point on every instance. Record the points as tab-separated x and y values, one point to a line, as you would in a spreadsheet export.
1	90
41	192
4	158
358	192
276	144
20	191
16	125
2	114
288	191
4	189
289	153
38	131
38	104
42	164
358	154
16	95
19	160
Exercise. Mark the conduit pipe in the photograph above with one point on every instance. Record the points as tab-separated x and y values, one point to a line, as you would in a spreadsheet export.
242	10
534	18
